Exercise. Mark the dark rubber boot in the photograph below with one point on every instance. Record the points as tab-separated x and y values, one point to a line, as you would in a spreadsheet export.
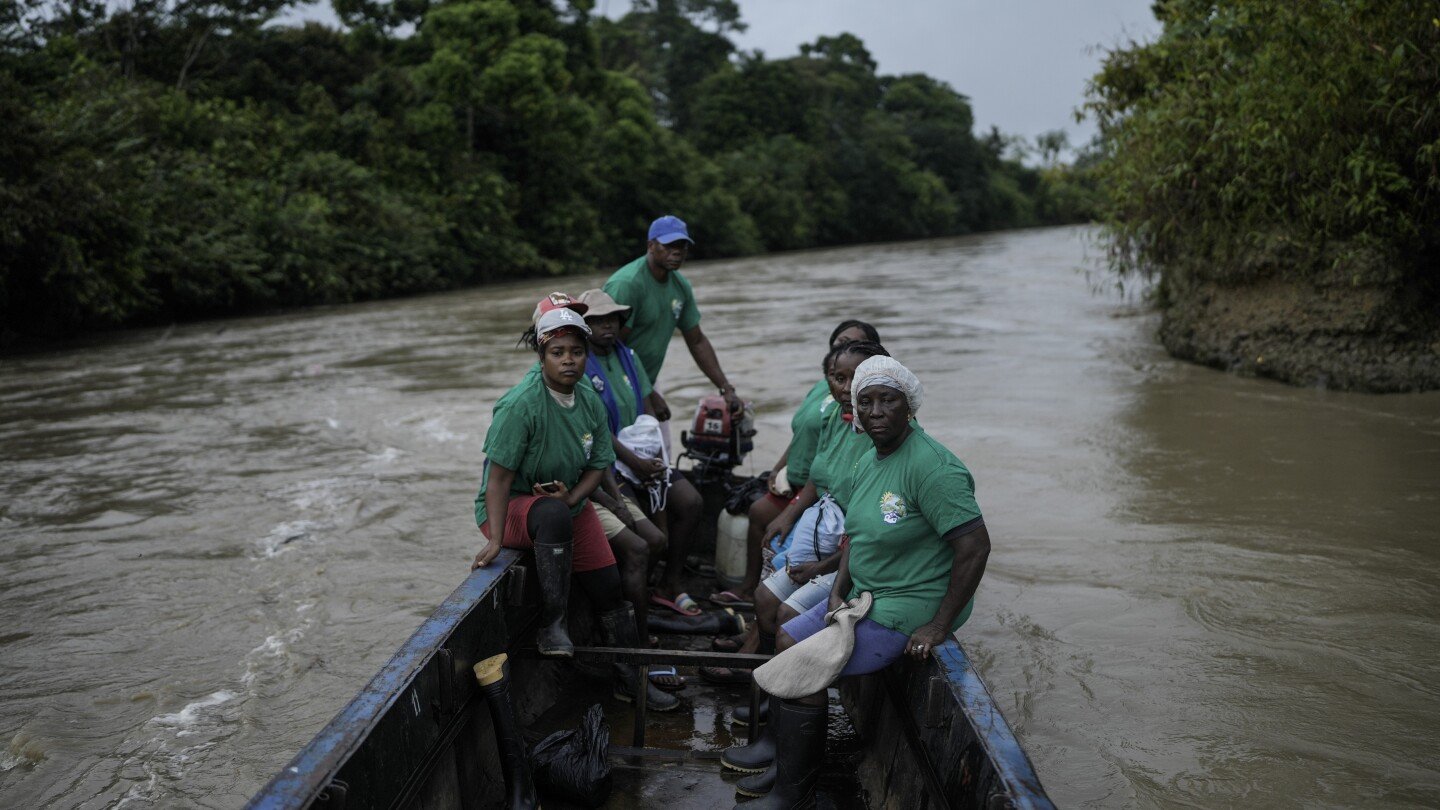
800	750
618	626
742	712
711	623
494	677
754	757
552	568
757	784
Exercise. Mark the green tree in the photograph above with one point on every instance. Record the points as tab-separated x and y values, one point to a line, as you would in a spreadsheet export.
1252	130
666	45
170	159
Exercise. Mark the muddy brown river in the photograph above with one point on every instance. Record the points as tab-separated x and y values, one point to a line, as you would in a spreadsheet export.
1205	590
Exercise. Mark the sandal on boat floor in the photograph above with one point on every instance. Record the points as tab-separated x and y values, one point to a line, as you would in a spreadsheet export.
731	599
728	644
725	676
667	672
682	604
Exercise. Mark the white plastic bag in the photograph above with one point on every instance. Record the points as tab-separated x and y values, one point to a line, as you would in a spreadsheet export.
646	440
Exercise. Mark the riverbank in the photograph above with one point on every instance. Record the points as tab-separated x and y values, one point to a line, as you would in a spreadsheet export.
1327	330
1282	160
1342	319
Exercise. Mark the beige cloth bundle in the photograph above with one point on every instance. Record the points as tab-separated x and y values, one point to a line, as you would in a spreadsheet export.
815	663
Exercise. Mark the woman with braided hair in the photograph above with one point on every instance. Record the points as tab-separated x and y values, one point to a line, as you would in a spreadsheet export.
546	451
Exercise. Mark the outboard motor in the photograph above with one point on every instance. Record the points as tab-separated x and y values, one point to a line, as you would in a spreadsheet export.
719	439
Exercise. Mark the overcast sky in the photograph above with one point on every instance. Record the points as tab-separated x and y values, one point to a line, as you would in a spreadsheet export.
1023	63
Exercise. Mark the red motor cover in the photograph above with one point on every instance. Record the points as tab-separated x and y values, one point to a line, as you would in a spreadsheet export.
712	426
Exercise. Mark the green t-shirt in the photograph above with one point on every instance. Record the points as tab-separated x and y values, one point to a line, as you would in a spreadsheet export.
657	310
619	384
840	447
900	507
805	433
531	434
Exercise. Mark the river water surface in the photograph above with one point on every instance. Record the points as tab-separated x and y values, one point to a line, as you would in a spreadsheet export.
1205	589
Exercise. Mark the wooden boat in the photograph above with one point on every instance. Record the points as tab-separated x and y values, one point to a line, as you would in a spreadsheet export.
419	735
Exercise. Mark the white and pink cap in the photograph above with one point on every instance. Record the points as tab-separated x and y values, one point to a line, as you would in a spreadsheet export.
558	311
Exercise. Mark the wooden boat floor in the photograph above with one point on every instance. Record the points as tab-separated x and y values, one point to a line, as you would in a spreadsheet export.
681	769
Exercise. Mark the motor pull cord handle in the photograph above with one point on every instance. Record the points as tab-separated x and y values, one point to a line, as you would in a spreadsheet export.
493	675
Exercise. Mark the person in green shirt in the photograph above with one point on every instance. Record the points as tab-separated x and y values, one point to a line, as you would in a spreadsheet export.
812	552
546	450
623	384
917	544
662	301
793	467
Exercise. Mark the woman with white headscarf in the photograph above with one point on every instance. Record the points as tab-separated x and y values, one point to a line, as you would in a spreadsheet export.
917	544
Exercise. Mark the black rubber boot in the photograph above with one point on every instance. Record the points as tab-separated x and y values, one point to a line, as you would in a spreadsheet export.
757	784
618	626
494	677
742	712
754	757
552	568
766	646
799	731
711	623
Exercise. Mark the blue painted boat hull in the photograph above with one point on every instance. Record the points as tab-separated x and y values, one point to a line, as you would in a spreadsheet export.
419	734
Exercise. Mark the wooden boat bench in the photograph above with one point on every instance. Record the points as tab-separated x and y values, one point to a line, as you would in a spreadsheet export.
644	659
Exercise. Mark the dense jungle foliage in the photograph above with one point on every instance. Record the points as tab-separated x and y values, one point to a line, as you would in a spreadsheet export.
1256	139
169	159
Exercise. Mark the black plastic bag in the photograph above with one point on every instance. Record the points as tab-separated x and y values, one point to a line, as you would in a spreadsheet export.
574	765
739	496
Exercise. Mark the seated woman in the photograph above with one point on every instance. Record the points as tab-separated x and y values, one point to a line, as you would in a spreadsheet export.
917	544
614	370
795	463
812	523
815	519
632	536
546	451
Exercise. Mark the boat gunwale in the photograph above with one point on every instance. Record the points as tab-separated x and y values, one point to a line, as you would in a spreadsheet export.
993	732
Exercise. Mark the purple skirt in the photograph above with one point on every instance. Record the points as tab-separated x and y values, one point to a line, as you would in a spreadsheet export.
876	646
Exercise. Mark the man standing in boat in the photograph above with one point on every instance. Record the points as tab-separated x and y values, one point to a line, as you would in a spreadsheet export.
661	301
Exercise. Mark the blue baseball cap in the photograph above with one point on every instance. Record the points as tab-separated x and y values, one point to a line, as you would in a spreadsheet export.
667	229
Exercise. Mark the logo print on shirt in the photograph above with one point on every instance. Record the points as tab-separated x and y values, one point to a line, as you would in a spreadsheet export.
675	306
587	441
892	507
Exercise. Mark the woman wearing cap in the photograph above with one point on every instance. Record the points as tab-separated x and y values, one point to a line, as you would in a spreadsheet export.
616	374
624	386
917	544
546	450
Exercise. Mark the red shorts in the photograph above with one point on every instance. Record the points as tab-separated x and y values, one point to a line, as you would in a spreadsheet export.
777	501
592	551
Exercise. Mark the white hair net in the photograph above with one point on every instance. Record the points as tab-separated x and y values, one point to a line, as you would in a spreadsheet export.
887	371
